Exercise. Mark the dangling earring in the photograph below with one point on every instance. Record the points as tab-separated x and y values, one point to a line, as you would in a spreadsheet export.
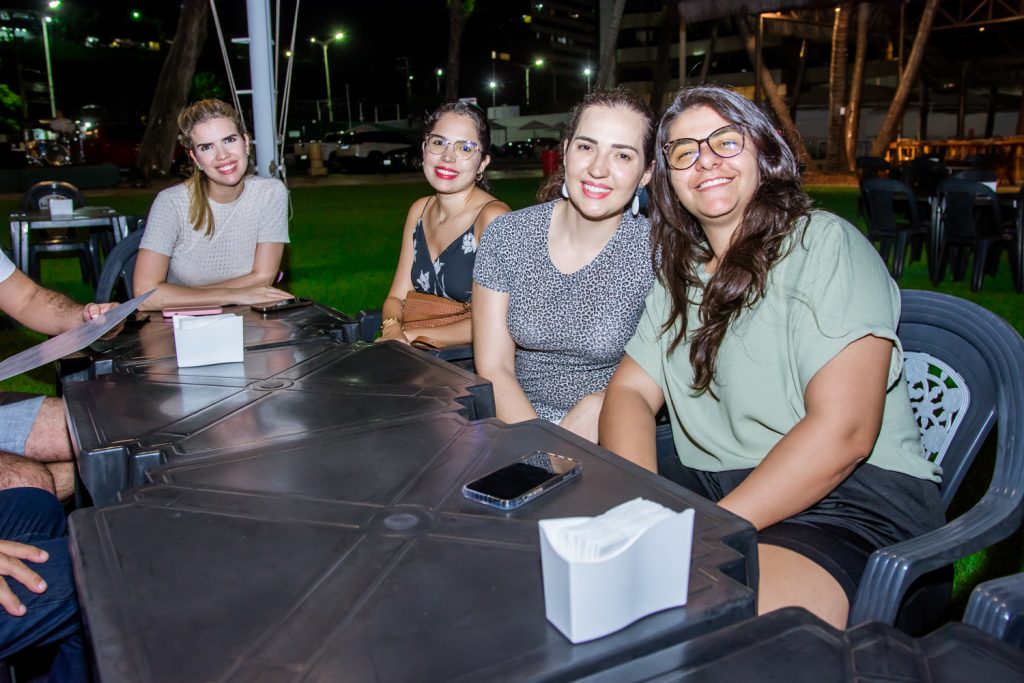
634	208
199	167
479	176
565	190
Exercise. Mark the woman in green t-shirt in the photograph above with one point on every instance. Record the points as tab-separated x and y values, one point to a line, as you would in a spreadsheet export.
771	336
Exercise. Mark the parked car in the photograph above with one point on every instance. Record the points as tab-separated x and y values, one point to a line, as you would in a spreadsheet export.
363	150
404	159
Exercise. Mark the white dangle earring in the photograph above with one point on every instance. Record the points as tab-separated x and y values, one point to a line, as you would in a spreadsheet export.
634	208
565	190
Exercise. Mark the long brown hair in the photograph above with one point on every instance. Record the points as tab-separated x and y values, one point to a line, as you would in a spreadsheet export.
200	214
678	239
614	98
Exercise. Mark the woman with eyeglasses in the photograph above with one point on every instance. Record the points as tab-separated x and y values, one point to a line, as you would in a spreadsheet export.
218	237
771	337
560	286
442	231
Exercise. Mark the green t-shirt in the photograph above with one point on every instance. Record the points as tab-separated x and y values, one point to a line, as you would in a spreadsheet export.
830	288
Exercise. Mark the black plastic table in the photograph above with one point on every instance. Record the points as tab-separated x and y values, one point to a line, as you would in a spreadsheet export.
350	554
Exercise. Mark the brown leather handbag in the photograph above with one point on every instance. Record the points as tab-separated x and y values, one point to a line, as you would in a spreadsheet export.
427	310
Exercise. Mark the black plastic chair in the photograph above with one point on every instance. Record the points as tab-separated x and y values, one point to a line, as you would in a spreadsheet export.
975	175
119	268
968	221
965	371
81	242
893	220
924	175
874	167
997	607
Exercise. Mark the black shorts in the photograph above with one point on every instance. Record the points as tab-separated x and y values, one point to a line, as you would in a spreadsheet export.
871	509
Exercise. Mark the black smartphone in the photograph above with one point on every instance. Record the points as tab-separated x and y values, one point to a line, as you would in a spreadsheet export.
523	480
281	305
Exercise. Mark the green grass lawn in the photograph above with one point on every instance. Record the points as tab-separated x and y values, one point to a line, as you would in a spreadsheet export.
345	242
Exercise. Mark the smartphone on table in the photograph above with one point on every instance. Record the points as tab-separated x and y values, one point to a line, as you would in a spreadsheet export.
192	310
281	305
523	480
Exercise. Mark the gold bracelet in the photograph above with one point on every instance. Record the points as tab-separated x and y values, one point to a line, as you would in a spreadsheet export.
387	322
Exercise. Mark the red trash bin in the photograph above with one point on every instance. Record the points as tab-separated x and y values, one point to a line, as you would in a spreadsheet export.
549	160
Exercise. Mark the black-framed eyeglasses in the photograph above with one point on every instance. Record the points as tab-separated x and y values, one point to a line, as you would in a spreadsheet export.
463	149
726	142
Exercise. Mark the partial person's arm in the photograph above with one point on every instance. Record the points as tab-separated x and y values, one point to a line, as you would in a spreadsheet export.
151	269
494	354
44	310
844	402
11	564
627	425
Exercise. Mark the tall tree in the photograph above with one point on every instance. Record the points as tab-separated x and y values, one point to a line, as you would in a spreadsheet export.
669	17
887	133
851	128
458	14
775	99
156	150
834	159
606	70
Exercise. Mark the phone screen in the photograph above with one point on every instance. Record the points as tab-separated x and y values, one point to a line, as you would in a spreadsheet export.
523	480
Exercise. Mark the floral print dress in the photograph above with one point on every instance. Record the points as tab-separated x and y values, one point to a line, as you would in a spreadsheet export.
449	275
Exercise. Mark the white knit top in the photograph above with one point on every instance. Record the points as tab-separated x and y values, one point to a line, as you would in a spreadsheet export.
260	214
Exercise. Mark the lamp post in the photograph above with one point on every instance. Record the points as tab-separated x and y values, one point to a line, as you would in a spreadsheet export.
587	72
44	20
538	63
437	78
493	85
340	35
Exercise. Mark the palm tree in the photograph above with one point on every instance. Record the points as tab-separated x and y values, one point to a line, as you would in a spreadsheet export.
837	86
156	150
458	14
852	123
606	70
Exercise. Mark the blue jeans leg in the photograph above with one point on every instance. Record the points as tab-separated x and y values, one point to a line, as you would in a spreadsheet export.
35	517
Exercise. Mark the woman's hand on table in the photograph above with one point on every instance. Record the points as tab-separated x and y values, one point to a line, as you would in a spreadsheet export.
393	332
258	294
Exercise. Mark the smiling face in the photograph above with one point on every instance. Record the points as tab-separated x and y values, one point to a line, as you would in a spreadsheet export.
604	161
446	172
715	190
221	151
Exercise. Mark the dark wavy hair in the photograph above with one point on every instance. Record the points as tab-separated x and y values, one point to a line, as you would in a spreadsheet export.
479	119
614	98
678	239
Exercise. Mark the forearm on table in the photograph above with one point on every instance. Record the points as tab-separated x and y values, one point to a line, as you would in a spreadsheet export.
803	467
627	426
167	295
252	279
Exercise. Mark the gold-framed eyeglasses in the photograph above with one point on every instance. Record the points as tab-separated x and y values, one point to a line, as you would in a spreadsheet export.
726	142
463	149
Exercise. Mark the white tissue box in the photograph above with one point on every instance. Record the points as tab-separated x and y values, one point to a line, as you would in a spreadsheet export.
61	207
208	339
587	600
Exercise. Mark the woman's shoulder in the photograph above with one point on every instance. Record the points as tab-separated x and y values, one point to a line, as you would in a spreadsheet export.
533	217
822	231
265	187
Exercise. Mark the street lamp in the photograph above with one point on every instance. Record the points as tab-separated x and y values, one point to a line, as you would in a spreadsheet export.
437	77
339	36
493	85
538	63
587	72
46	19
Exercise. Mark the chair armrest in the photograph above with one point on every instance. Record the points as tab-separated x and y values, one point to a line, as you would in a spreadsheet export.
369	323
997	608
890	571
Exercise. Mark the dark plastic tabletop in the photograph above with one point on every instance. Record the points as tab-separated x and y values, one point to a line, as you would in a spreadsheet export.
350	554
793	646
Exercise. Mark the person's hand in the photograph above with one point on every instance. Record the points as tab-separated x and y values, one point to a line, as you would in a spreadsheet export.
393	332
11	556
582	418
258	294
91	311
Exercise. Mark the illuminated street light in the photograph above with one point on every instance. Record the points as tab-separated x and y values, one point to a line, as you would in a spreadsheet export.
587	72
493	85
339	36
437	77
537	63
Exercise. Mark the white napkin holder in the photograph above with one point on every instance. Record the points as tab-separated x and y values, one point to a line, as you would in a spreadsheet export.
208	339
61	207
588	600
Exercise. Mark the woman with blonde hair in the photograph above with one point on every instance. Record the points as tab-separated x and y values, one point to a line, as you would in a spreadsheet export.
218	237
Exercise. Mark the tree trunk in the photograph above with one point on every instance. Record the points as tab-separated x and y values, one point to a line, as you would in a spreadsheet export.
899	103
709	56
669	26
778	105
606	71
1020	114
156	150
835	156
458	13
851	130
